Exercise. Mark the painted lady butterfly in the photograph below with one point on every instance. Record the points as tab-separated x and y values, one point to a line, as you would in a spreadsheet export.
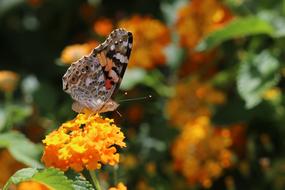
92	80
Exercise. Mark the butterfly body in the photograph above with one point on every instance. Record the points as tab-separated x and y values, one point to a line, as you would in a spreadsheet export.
92	80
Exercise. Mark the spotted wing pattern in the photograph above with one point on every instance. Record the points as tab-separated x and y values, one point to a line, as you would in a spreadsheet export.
92	80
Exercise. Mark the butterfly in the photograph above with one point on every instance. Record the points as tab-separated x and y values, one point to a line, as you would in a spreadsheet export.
92	80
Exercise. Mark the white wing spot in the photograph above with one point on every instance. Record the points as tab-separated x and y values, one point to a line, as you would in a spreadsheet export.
88	81
101	78
125	43
123	59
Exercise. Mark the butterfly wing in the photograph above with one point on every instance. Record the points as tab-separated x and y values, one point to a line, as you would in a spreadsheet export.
113	55
85	82
92	80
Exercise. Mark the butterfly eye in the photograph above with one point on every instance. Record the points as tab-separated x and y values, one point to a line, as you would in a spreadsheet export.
116	42
121	41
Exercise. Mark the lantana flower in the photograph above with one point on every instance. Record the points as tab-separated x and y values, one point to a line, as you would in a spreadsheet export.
120	186
74	52
193	98
201	152
32	185
195	20
148	47
103	26
8	80
84	142
198	18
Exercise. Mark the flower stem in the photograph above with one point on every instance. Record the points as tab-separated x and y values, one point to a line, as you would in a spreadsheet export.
115	174
95	180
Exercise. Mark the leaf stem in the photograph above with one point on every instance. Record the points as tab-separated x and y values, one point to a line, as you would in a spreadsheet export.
95	180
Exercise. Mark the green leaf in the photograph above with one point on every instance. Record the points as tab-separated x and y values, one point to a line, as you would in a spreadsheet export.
169	8
153	80
51	177
21	175
239	27
17	113
26	152
6	139
21	148
78	181
174	55
2	118
275	19
132	77
256	75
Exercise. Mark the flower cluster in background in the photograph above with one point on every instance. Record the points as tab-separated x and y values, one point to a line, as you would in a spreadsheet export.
74	52
192	100
149	45
103	26
8	81
196	20
201	152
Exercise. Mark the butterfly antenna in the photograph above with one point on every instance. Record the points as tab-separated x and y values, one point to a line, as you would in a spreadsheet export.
119	113
133	99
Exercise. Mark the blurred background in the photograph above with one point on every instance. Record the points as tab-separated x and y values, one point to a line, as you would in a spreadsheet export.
215	71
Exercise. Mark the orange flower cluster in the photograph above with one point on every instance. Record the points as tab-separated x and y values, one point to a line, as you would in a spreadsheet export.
194	21
193	99
129	161
201	152
198	18
143	185
31	185
8	81
120	186
76	51
148	44
84	142
103	26
199	62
